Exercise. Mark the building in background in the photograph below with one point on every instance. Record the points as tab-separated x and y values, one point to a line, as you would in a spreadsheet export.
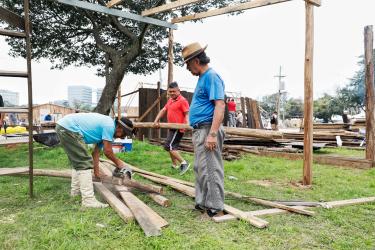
79	95
10	98
64	103
99	92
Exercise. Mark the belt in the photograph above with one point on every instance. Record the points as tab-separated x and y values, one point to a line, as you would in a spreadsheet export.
201	125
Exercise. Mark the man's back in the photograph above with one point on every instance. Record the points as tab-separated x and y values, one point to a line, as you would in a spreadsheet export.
93	127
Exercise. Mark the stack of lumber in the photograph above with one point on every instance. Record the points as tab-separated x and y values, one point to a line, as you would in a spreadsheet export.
332	127
358	124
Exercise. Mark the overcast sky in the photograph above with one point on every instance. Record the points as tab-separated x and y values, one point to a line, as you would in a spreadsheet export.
246	50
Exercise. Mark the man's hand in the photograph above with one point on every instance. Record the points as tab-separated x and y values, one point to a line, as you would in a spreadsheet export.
156	124
211	142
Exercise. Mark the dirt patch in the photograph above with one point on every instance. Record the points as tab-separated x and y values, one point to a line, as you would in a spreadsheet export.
263	183
10	219
298	184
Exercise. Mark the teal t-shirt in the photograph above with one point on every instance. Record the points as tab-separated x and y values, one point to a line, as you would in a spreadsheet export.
93	127
210	87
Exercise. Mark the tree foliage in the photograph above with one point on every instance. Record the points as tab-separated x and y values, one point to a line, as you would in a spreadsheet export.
72	36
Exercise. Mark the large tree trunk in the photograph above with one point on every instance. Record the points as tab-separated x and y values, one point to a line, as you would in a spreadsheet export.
112	84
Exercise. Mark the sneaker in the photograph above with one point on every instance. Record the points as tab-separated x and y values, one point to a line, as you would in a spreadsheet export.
184	167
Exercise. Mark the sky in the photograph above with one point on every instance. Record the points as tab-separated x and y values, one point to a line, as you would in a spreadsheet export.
246	50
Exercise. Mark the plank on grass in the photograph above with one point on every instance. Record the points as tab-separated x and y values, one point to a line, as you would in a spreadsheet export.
122	210
9	171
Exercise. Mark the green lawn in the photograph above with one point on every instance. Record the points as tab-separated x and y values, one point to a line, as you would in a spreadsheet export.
53	220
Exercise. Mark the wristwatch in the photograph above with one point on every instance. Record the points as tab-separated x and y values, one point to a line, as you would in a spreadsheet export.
213	134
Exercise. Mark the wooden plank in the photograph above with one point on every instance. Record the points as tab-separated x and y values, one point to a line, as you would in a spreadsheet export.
249	114
308	97
271	204
115	12
113	3
117	205
159	199
254	107
13	110
228	9
137	207
10	171
168	6
316	3
274	211
7	73
151	107
257	222
12	18
370	96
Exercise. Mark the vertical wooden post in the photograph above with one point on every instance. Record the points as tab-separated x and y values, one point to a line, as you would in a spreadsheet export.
170	56
119	102
370	99
308	104
244	123
158	108
30	96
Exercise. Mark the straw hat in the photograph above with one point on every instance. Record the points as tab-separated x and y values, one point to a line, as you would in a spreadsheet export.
192	50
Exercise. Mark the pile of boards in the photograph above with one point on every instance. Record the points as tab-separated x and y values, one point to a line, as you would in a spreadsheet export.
129	207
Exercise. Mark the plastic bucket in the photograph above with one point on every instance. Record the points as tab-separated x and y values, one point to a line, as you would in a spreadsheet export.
116	148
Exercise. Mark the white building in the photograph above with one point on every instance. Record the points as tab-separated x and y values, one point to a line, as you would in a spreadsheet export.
79	94
12	98
99	92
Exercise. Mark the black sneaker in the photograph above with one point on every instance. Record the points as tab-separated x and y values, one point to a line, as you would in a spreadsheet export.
184	167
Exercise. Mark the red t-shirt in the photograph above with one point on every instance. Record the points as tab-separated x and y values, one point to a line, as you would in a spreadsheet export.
176	109
232	106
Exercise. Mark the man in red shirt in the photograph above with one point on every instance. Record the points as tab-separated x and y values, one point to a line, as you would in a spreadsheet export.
232	112
177	109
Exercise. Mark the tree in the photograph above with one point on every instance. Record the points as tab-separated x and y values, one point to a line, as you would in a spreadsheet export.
268	103
72	36
293	108
326	106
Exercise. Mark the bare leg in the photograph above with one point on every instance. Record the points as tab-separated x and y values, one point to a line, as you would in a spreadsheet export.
174	160
176	155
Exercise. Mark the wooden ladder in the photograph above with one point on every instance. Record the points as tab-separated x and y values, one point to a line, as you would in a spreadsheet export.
24	24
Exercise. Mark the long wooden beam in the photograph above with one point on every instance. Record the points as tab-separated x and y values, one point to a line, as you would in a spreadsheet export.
228	9
115	12
12	18
317	3
370	94
166	7
117	205
332	204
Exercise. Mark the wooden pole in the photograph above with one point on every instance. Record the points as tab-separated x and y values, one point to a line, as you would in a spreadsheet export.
158	105
119	102
170	56
244	121
308	103
370	99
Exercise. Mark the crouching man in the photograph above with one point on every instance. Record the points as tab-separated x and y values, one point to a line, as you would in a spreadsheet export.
76	130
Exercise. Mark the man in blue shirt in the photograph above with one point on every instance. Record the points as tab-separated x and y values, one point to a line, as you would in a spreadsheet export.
76	130
206	116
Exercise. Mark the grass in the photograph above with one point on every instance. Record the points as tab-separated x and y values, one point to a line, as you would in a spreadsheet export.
53	220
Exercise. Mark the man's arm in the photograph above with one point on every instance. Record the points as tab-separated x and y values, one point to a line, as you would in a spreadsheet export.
95	157
160	115
211	141
187	117
108	152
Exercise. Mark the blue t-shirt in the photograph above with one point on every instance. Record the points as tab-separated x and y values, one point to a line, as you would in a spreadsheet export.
210	87
93	127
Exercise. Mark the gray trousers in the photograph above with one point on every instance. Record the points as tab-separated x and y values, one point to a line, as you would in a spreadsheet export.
208	170
232	119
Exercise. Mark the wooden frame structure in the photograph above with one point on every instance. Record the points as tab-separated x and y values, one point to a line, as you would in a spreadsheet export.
309	56
24	24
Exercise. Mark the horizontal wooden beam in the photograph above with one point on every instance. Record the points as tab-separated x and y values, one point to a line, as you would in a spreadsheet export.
6	73
11	33
228	9
166	7
119	13
14	110
317	3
